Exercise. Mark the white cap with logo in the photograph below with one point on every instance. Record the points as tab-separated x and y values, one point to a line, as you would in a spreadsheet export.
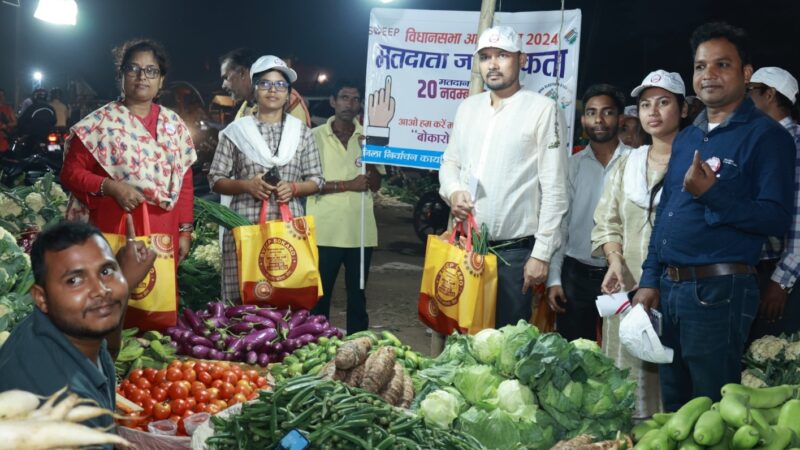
670	81
502	37
268	62
779	79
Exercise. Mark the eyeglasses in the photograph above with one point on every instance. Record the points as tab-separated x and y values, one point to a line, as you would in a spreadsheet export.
133	70
265	85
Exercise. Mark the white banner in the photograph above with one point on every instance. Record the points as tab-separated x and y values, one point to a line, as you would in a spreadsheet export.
418	71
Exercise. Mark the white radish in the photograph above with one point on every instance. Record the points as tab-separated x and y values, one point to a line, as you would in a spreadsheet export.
82	413
42	435
16	403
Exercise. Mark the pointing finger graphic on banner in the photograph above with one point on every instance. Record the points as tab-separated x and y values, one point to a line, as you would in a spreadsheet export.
381	112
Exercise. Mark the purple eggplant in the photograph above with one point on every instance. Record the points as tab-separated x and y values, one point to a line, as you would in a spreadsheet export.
319	318
290	345
217	309
241	328
173	331
237	345
195	324
257	338
263	360
216	355
298	318
255	318
215	336
270	314
307	328
182	323
200	351
306	339
331	332
234	311
200	340
251	357
282	355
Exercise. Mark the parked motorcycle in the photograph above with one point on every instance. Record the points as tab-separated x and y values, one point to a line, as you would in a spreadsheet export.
29	159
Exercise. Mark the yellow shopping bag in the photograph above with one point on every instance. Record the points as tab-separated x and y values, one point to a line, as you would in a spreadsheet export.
153	304
278	261
459	286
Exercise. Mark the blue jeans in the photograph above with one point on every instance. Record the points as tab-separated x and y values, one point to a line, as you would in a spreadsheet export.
706	322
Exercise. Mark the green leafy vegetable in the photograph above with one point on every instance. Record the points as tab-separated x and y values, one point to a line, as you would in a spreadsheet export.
516	399
514	338
441	408
476	383
486	345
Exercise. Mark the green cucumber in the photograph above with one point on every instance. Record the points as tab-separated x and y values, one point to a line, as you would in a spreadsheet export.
662	418
779	438
789	416
725	442
689	444
643	428
768	397
734	411
709	428
745	437
680	425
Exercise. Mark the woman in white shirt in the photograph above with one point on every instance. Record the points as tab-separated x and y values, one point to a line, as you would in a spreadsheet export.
624	217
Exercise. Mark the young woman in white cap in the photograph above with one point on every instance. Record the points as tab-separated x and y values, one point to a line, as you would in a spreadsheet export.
624	217
269	155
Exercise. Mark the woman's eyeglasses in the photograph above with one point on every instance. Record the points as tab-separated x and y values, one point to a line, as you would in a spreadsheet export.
133	70
265	85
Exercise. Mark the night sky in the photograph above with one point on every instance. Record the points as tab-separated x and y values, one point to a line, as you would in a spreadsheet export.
622	40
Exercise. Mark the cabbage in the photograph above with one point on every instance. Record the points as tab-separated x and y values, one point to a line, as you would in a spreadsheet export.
440	408
515	337
486	345
495	430
586	344
516	399
476	383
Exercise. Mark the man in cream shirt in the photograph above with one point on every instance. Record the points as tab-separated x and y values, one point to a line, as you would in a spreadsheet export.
506	164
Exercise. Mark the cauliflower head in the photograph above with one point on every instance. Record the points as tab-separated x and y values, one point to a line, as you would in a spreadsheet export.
767	348
750	380
792	351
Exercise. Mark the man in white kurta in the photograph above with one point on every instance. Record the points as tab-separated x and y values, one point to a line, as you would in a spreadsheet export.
506	164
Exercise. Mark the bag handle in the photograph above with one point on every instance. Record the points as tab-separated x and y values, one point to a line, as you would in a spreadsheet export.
145	221
460	227
286	213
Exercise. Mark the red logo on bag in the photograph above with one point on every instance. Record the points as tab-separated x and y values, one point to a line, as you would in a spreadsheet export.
163	245
146	286
277	260
449	284
299	228
263	290
433	310
475	262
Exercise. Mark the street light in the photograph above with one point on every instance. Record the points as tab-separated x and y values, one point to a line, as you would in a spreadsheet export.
37	79
321	78
59	12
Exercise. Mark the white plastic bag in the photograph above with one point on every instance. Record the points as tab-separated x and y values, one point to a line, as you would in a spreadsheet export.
637	334
609	305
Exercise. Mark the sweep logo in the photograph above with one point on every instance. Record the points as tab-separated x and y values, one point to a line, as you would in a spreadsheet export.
145	287
277	259
449	284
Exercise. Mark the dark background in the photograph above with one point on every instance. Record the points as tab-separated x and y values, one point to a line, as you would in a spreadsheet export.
621	41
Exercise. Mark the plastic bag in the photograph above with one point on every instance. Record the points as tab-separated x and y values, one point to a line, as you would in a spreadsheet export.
637	334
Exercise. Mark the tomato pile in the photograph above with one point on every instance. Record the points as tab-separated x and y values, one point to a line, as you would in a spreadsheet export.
188	387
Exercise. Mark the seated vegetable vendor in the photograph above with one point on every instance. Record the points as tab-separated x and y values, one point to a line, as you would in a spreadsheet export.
80	292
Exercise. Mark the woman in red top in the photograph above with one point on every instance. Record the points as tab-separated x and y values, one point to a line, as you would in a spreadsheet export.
131	152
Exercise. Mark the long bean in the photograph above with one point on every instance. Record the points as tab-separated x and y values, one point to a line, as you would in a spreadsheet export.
331	415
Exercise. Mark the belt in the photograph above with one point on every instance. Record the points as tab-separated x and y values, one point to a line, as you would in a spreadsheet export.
592	272
711	270
510	244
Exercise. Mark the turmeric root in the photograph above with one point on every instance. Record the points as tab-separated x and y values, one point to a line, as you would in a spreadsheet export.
378	369
352	353
408	393
393	391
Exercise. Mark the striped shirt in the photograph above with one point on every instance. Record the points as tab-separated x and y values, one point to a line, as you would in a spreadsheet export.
788	268
230	163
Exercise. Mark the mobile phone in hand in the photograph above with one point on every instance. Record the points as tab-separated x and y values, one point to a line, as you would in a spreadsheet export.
272	177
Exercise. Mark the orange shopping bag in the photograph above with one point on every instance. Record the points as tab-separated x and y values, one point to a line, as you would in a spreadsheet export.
278	261
459	286
153	304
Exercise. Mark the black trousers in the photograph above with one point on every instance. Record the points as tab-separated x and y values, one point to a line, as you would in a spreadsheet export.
330	260
581	284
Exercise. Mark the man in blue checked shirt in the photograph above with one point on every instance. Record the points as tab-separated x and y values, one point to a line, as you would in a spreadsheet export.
728	186
774	91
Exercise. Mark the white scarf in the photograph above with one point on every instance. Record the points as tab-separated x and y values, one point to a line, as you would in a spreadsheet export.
635	179
245	136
